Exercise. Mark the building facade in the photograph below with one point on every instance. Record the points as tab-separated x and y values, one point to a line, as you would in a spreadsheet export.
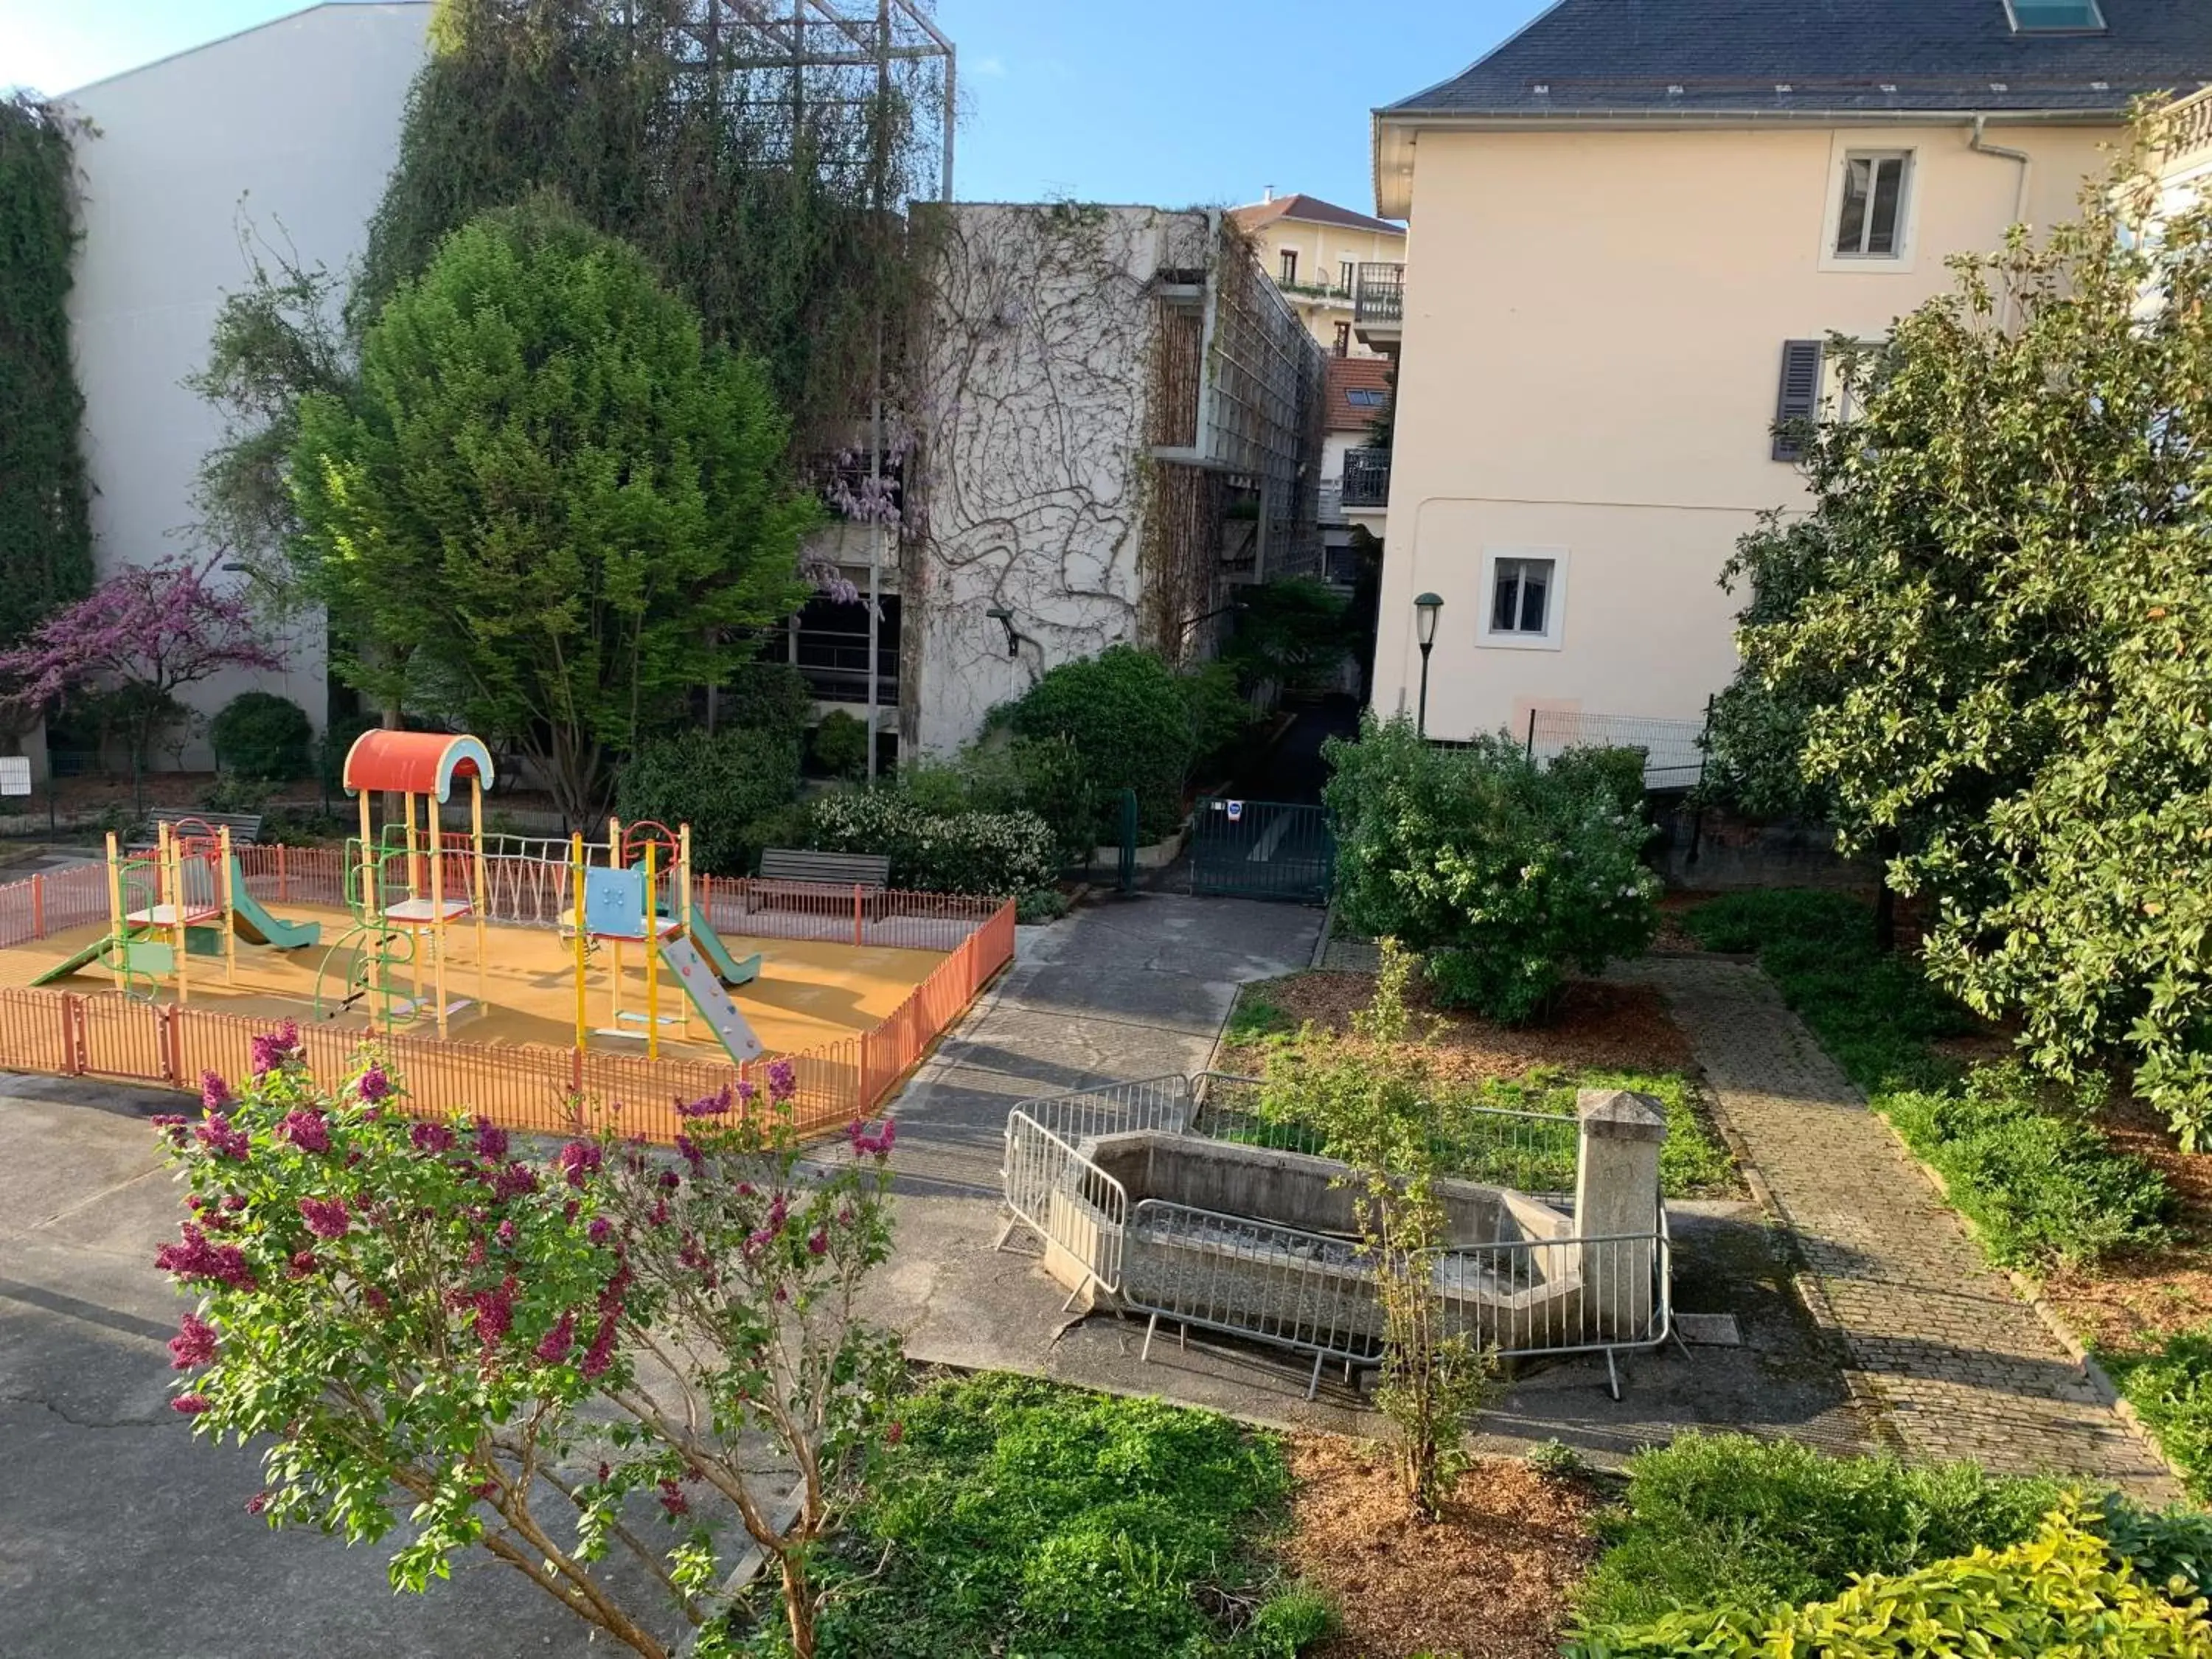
1319	254
281	136
1634	228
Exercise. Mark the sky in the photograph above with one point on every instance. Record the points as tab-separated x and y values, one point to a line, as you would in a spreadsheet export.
1172	102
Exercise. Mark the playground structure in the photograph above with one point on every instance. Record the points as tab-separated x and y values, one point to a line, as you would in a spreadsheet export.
623	902
403	910
183	898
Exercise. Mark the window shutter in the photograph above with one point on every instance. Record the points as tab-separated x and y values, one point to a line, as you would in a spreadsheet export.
1799	401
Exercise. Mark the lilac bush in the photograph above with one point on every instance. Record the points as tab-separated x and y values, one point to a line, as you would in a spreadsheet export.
441	1339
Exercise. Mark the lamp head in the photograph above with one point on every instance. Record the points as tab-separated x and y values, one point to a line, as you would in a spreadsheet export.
1426	608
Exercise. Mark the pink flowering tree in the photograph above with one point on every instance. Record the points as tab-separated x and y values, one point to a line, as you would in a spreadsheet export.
146	631
561	1361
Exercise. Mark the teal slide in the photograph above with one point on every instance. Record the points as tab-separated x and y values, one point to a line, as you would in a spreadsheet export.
257	927
727	969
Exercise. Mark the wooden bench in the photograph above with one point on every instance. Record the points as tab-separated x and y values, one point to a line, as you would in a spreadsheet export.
790	874
244	827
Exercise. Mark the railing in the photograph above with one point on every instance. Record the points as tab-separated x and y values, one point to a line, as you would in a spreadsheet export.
2186	133
524	1087
1315	290
1366	478
1381	295
1061	1195
1673	750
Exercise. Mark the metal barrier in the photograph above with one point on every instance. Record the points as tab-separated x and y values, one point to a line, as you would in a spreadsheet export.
1309	1291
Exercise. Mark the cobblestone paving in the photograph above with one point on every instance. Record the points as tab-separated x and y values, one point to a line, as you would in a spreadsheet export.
1959	1364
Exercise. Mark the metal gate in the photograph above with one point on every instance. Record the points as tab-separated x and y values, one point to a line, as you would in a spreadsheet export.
1265	850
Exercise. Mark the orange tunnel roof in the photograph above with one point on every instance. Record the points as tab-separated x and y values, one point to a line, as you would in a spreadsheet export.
414	762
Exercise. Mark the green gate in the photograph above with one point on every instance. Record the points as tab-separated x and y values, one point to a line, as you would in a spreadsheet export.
1126	868
1266	849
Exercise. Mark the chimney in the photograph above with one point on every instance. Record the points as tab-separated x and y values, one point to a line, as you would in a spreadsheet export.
1268	194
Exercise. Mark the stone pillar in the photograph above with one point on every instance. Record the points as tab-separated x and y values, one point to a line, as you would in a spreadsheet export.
1617	1199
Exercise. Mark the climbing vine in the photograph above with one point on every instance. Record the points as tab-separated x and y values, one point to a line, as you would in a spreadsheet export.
45	531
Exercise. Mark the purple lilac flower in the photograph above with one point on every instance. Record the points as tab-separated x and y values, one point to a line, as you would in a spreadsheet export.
555	1346
303	1263
192	1345
215	1093
430	1138
579	1159
221	1140
782	1081
272	1049
374	1083
491	1141
818	1242
506	1232
513	1181
495	1312
688	1150
306	1129
673	1498
597	1231
714	1105
326	1217
196	1258
191	1405
256	1503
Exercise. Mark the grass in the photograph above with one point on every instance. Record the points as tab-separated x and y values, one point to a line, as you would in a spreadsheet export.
1020	1517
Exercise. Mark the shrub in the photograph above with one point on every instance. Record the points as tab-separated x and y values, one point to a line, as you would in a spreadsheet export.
2057	1592
840	744
1041	904
2171	1386
722	785
1048	776
1130	719
1616	773
766	696
1289	630
261	735
1507	875
235	791
1220	714
995	853
1726	1518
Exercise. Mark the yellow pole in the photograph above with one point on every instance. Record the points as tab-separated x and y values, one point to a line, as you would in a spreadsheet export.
414	882
652	961
172	876
365	848
117	925
576	934
229	911
476	831
437	910
614	861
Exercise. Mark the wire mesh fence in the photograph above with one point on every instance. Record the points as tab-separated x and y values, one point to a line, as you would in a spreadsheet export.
1673	750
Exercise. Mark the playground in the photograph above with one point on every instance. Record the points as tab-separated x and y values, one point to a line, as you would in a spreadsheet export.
501	974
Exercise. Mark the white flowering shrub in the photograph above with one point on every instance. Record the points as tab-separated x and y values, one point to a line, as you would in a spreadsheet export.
1002	854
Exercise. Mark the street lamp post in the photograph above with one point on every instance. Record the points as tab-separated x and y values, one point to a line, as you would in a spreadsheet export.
1425	611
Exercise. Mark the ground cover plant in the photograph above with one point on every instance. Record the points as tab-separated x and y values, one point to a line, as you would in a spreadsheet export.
1016	1516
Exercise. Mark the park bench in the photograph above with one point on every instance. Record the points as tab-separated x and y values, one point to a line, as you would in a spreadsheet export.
244	827
791	875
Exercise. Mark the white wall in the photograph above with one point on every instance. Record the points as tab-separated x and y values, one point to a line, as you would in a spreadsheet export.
288	131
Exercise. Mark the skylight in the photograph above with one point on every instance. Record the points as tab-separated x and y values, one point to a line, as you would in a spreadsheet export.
2055	16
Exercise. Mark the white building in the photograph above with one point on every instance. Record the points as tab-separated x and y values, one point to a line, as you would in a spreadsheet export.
284	132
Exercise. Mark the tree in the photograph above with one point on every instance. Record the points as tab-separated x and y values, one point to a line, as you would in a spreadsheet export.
1984	648
423	1324
1505	872
552	507
142	635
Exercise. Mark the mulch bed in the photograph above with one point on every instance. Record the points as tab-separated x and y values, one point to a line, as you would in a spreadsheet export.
1488	1581
2134	1301
1599	1025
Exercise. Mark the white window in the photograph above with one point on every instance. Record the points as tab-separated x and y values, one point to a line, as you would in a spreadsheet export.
1289	267
1345	271
1870	212
2055	16
1523	595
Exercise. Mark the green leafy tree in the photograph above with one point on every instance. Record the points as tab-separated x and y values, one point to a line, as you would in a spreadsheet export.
46	525
1504	873
521	1356
1131	719
720	783
552	506
1985	647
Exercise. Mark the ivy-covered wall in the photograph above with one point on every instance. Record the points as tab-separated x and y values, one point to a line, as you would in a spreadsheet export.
45	533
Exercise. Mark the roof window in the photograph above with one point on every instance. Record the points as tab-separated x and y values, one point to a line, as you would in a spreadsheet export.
2055	16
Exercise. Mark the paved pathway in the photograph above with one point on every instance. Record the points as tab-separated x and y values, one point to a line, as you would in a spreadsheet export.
1960	1365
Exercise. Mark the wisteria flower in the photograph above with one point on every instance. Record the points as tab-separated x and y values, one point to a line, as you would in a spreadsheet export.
192	1345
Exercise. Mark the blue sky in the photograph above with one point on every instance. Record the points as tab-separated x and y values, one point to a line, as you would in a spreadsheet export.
1169	101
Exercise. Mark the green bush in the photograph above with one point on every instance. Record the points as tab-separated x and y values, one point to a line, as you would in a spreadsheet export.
1016	1517
1220	714
235	791
1617	774
766	696
2041	1187
1129	717
840	744
999	854
720	784
1041	904
1044	775
2170	1386
259	734
1506	875
1291	631
2058	1592
1715	1519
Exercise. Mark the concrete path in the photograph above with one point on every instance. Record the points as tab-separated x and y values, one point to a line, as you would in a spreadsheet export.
1959	1364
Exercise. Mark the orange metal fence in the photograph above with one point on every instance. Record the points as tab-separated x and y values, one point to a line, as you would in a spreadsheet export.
522	1086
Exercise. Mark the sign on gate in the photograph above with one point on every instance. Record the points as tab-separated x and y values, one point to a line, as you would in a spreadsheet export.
15	775
1262	849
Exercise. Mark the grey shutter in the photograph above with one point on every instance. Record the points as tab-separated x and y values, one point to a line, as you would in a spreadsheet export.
1798	403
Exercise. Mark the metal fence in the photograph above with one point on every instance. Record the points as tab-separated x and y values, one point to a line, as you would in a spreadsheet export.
1262	849
1674	751
1313	1292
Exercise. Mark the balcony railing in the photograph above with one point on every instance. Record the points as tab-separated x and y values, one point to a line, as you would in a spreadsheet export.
1381	296
1366	478
1315	290
2187	139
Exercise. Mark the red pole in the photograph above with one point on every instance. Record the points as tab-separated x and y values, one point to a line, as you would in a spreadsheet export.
856	914
39	905
280	872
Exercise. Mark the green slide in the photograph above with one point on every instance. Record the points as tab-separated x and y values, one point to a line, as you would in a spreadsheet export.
84	958
727	969
143	957
257	927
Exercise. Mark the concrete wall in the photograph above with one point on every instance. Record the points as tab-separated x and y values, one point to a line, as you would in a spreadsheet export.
286	133
1593	340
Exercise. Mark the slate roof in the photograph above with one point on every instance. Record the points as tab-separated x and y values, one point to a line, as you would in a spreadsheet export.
1611	57
1313	211
1347	374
